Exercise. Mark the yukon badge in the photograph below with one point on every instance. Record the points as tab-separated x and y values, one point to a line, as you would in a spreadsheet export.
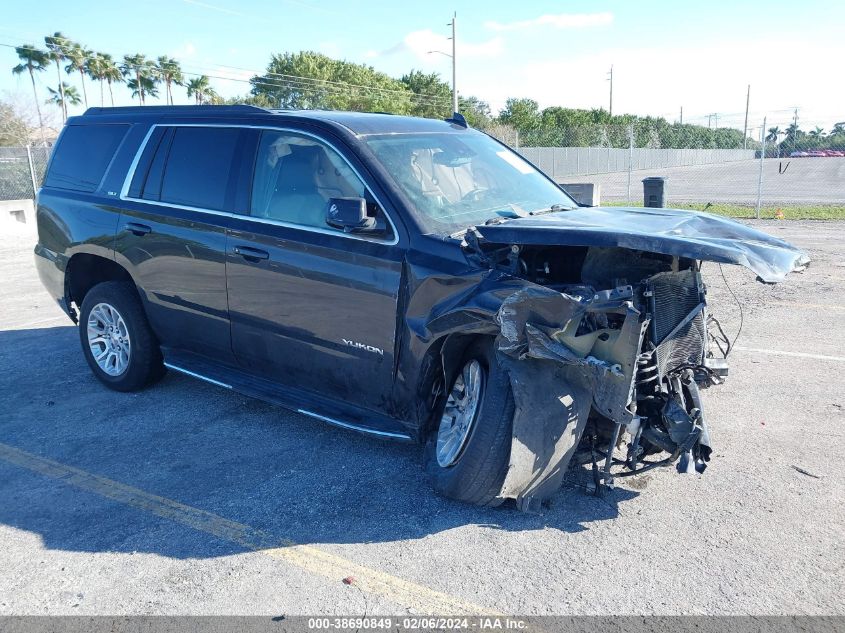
367	348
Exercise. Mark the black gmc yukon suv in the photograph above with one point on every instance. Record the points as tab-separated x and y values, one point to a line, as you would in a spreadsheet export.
409	278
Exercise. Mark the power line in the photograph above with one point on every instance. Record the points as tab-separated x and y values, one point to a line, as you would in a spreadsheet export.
329	86
294	79
323	81
335	90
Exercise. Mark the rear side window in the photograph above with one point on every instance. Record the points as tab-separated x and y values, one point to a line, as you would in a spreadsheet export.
199	167
82	156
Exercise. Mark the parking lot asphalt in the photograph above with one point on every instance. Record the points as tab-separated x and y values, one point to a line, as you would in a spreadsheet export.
190	499
786	181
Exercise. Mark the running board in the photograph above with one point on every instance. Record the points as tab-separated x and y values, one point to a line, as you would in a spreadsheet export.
308	404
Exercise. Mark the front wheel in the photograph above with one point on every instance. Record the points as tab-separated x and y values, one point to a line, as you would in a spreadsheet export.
117	341
467	453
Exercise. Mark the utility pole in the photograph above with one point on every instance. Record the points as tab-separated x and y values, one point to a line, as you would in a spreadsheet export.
760	174
611	89
682	115
454	73
745	129
709	120
453	56
716	120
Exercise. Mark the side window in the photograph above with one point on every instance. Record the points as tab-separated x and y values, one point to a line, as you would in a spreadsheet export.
296	176
199	167
82	156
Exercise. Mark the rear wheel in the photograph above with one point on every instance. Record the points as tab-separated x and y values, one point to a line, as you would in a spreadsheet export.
116	338
467	453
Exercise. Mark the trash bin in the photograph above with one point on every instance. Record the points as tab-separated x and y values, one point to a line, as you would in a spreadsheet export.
654	191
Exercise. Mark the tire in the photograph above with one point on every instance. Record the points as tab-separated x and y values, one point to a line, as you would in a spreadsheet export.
478	471
144	364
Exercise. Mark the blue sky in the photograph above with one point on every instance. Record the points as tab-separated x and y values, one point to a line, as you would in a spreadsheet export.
699	55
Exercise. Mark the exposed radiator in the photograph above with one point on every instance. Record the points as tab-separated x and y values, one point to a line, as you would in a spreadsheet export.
686	347
680	340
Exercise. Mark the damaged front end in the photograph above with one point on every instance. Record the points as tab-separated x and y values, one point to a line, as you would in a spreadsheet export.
626	359
606	348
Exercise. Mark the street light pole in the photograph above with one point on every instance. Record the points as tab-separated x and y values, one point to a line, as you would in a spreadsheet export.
745	129
611	89
454	72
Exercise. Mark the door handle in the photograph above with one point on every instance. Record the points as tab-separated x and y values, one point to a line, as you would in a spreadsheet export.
251	254
137	229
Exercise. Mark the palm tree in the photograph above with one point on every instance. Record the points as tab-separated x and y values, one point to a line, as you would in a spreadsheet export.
818	132
111	73
78	58
66	94
95	68
32	60
153	80
199	88
838	128
137	66
213	98
170	73
772	136
143	88
57	45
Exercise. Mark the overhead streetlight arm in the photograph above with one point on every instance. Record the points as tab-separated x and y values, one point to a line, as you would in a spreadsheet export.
452	57
454	64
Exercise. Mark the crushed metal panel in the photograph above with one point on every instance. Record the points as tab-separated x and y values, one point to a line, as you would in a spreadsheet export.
677	232
612	396
552	403
555	388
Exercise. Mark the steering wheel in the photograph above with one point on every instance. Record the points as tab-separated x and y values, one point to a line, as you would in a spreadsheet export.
475	194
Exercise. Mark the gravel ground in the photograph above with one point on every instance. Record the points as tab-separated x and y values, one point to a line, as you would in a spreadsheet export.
753	535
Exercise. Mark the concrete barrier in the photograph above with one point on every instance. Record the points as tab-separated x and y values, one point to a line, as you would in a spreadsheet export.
17	217
584	192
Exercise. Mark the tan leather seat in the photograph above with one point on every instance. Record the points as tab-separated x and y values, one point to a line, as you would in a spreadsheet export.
296	198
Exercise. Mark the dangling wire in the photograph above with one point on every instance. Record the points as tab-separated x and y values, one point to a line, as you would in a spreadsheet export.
739	305
719	338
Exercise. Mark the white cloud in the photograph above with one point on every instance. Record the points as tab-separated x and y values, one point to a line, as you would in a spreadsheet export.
420	43
557	21
186	51
702	77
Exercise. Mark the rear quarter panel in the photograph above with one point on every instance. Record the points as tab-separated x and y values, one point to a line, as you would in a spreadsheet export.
72	222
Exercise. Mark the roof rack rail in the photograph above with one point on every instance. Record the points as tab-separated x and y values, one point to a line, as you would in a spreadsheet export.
186	109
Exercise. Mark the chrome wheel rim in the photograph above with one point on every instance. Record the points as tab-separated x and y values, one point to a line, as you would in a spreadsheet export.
459	415
108	339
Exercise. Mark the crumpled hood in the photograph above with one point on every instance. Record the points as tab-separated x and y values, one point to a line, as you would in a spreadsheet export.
690	234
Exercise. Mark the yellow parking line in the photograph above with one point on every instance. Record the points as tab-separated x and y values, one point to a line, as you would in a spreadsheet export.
412	596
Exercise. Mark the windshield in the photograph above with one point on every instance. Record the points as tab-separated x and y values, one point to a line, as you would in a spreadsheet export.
460	180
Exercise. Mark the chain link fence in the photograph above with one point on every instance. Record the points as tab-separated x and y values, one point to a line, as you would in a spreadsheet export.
799	176
802	175
22	171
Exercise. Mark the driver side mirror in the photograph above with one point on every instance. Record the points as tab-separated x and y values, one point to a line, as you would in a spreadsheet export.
350	215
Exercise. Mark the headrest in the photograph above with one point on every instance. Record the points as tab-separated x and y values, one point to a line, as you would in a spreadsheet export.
298	170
